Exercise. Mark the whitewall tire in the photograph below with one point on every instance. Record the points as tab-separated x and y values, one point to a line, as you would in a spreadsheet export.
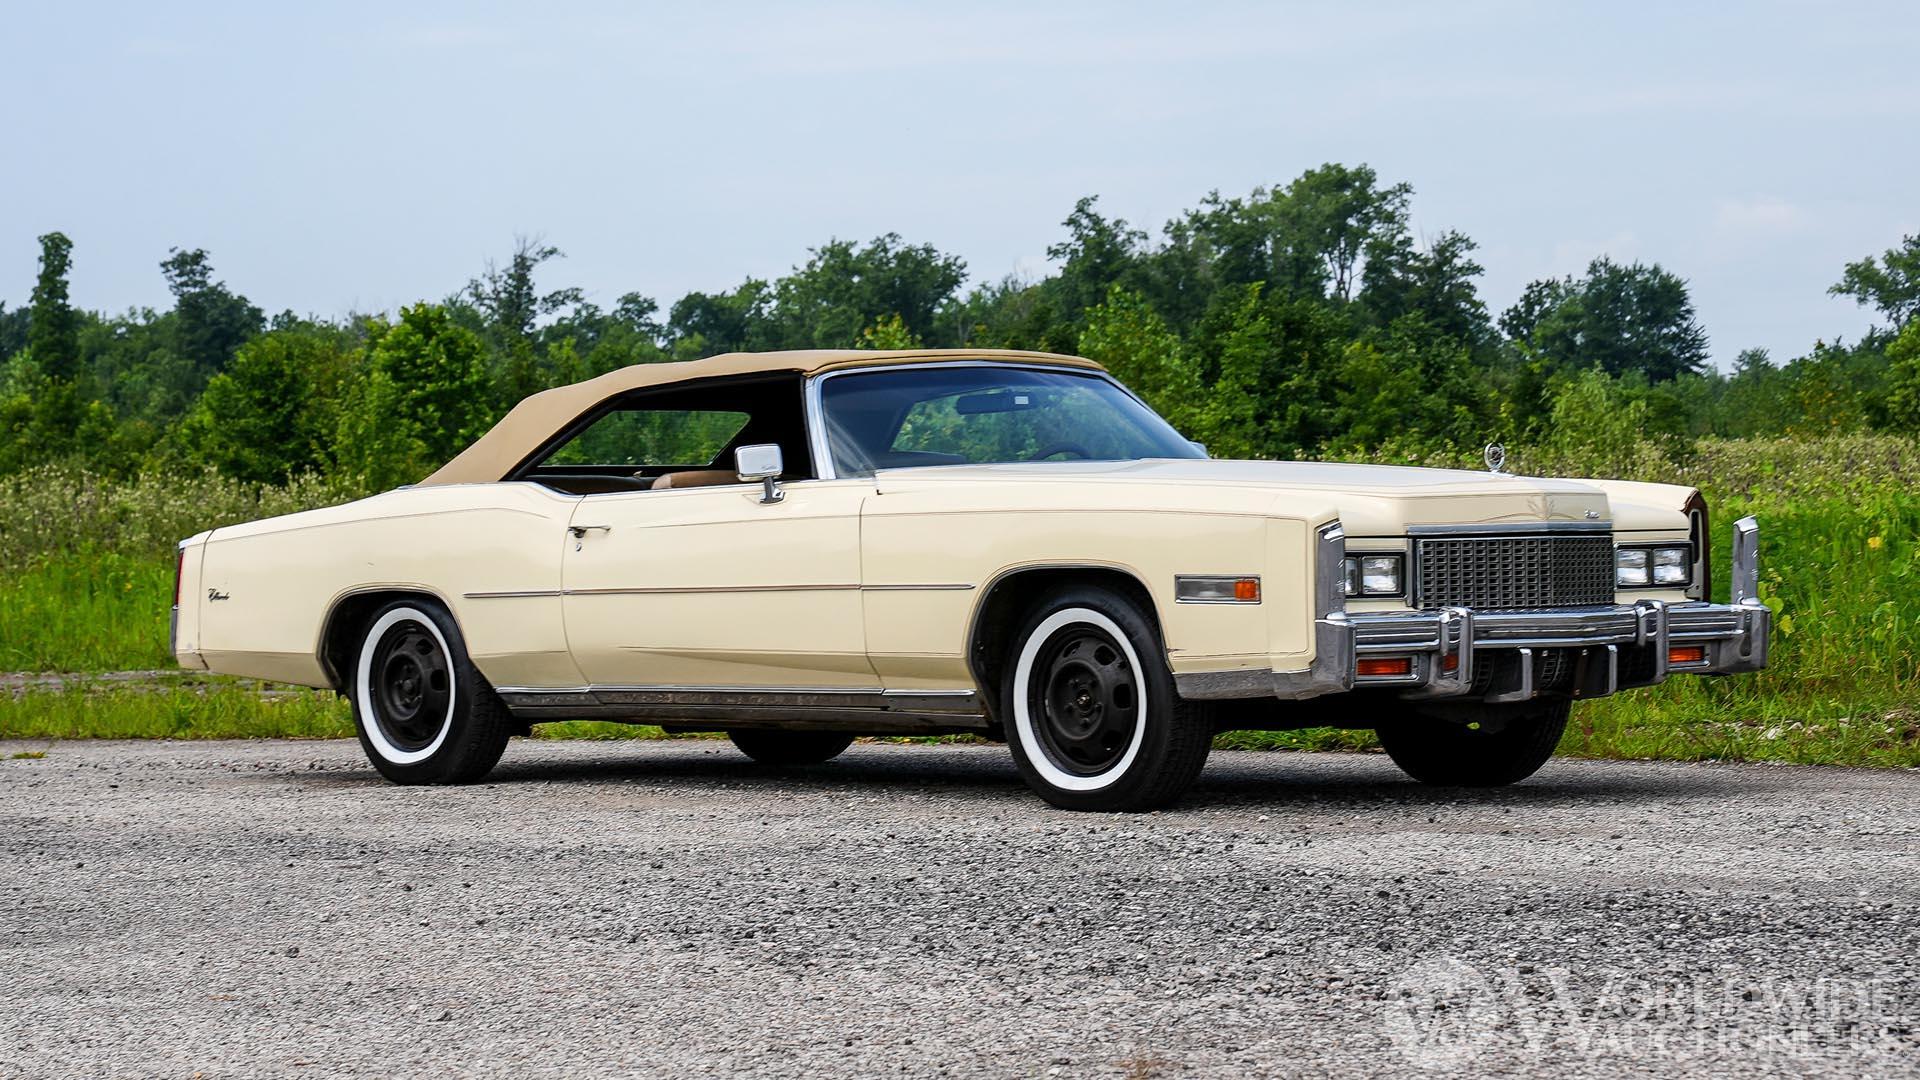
389	641
423	712
1089	706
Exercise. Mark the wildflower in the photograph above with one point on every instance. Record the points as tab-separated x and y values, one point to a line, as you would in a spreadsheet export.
1873	543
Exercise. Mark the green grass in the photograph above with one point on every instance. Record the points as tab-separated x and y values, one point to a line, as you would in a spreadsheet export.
595	730
1649	725
1721	720
86	612
1307	739
217	711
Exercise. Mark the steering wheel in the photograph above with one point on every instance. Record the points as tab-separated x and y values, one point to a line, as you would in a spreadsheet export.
1062	447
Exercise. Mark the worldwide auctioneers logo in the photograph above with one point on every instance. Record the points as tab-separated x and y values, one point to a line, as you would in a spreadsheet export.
1444	1014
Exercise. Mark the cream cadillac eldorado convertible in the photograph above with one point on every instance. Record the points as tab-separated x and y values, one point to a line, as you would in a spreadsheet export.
797	548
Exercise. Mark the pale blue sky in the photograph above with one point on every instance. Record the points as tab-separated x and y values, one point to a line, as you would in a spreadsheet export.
356	157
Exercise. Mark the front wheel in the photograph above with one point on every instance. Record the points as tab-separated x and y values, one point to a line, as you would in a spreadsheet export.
424	713
1488	746
1092	716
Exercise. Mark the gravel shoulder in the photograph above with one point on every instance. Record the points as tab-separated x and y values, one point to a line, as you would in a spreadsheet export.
668	908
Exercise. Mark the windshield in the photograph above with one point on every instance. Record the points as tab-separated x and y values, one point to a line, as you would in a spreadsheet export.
987	414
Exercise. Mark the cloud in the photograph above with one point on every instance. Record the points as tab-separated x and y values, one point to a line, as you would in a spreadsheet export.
1761	215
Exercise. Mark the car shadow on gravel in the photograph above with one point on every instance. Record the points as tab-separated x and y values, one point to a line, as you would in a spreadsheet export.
920	769
1279	778
1260	779
1305	790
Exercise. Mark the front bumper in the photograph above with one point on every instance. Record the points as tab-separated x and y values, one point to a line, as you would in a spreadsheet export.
1516	655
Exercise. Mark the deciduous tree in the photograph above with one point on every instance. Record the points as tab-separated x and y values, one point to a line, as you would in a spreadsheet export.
843	289
1903	380
420	398
1890	284
275	411
53	329
211	321
1636	317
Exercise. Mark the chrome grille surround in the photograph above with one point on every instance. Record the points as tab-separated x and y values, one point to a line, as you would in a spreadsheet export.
1507	569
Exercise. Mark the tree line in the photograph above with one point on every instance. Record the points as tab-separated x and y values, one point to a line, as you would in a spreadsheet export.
1305	319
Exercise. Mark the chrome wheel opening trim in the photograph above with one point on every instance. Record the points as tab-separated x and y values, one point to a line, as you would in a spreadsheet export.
363	688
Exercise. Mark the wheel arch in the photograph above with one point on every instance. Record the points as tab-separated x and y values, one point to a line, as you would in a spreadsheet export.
350	612
1007	596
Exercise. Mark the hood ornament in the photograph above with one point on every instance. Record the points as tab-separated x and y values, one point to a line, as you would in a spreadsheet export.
1496	456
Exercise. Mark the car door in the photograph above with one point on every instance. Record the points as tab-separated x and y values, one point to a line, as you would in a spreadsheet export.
712	588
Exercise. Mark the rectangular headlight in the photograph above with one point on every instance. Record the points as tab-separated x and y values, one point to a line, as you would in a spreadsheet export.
1630	566
1375	575
1653	565
1671	565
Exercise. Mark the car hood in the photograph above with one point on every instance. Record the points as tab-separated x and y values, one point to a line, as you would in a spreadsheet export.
1373	500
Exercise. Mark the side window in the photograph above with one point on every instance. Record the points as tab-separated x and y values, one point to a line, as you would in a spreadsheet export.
676	437
635	438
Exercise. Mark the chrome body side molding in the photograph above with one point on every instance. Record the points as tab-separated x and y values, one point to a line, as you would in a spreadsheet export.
673	590
867	709
681	590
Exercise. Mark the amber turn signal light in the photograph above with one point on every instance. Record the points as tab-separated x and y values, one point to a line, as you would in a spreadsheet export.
1384	665
1206	589
1687	654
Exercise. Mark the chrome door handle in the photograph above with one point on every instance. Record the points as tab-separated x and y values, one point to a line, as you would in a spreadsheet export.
580	531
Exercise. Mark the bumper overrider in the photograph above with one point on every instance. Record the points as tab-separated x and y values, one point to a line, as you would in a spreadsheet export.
1502	656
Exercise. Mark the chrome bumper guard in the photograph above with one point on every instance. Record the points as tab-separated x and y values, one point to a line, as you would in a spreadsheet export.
1448	647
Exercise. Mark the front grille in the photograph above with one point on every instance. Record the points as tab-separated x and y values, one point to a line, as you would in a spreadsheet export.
1494	572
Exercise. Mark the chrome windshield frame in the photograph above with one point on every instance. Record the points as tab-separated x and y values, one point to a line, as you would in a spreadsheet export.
826	468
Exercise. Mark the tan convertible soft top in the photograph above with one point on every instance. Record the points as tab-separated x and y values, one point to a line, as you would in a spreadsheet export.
537	418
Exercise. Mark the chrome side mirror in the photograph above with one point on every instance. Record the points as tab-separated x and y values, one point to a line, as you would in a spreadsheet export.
762	462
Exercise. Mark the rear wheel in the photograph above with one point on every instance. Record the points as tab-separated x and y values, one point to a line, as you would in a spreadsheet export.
790	747
1480	746
424	713
1092	716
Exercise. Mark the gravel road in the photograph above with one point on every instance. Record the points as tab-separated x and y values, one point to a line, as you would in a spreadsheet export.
271	908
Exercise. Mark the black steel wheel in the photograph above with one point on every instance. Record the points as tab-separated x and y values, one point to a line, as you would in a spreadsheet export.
1084	697
412	686
424	713
1090	709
